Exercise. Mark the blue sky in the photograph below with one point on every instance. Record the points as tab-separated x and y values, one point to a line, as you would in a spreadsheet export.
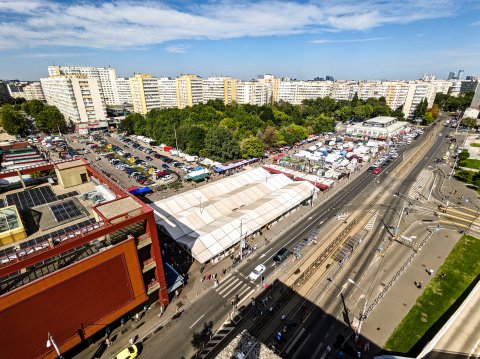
348	39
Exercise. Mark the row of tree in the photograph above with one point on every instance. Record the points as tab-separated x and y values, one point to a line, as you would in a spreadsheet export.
48	119
225	132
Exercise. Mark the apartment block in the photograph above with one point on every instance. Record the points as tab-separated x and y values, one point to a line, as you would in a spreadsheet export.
34	91
123	92
189	90
145	94
253	93
15	89
78	97
297	91
167	88
4	94
274	83
223	88
417	91
106	75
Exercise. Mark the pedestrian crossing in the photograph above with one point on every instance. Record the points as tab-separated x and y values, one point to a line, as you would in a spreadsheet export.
420	188
371	223
217	338
232	286
461	218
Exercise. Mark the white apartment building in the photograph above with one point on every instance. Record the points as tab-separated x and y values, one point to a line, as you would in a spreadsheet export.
106	75
395	93
274	83
189	90
341	90
167	88
33	91
253	93
15	89
441	86
297	91
219	88
417	91
78	97
145	93
122	89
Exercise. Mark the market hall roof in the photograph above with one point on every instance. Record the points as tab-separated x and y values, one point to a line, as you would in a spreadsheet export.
208	220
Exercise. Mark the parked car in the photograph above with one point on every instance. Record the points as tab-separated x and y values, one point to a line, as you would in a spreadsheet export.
165	166
377	170
148	158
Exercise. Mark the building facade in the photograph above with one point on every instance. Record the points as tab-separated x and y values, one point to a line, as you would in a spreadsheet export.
106	75
189	90
145	93
122	88
223	88
34	91
77	97
167	88
253	93
417	91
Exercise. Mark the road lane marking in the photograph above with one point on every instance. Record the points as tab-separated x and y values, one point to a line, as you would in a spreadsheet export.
197	321
295	340
317	351
301	346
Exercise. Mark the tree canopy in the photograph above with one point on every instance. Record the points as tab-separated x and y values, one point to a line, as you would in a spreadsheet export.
225	132
12	120
50	120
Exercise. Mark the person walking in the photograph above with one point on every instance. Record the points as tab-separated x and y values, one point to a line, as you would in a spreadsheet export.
131	341
137	317
108	342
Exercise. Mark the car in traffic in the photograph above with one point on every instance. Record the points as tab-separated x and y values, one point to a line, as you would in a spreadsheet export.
377	170
281	255
257	272
128	353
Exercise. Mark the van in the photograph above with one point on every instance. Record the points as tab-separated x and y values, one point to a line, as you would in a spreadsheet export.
281	255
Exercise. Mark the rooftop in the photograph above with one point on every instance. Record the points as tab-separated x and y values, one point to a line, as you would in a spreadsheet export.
69	164
118	207
382	119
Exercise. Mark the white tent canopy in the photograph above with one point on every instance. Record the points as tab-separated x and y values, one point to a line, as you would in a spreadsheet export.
208	220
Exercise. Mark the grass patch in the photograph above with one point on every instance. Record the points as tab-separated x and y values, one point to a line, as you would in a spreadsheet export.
475	144
470	163
460	268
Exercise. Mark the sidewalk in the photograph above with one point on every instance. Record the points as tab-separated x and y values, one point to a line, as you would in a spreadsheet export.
149	316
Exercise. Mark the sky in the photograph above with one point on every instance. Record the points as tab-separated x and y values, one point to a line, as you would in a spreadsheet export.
347	39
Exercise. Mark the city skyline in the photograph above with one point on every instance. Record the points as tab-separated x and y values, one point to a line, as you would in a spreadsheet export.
345	39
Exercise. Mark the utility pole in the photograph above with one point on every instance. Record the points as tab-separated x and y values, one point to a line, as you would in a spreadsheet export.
241	239
176	141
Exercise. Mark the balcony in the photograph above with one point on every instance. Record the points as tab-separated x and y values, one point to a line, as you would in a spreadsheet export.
148	265
144	240
152	287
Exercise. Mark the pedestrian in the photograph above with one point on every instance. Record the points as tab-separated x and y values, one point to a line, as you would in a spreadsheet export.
122	322
224	271
130	341
430	271
284	317
161	311
176	293
108	342
137	317
107	331
253	302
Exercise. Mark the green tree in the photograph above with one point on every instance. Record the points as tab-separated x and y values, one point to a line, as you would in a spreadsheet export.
12	120
269	136
220	145
398	113
428	118
252	147
355	101
293	133
420	109
469	122
127	124
320	124
51	120
191	138
33	107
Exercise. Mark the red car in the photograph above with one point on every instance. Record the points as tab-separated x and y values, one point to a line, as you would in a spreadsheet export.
377	170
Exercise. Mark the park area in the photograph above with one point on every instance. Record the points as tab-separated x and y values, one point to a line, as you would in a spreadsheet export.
440	297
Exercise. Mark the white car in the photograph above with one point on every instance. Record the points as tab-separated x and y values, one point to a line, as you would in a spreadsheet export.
257	272
394	155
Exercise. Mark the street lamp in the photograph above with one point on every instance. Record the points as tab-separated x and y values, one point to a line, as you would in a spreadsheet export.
362	315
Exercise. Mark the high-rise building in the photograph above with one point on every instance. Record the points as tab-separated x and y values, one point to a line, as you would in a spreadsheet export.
396	93
253	93
428	77
78	97
467	86
167	88
219	88
15	89
274	85
297	91
189	90
417	91
106	76
145	94
451	75
123	92
4	94
476	98
329	78
33	91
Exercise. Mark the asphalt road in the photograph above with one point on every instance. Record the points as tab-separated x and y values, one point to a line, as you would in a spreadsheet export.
326	326
215	305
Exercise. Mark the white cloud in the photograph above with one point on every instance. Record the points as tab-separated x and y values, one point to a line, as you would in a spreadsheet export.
325	41
131	24
178	49
476	23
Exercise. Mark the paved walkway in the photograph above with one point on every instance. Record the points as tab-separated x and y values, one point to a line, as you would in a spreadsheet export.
149	316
